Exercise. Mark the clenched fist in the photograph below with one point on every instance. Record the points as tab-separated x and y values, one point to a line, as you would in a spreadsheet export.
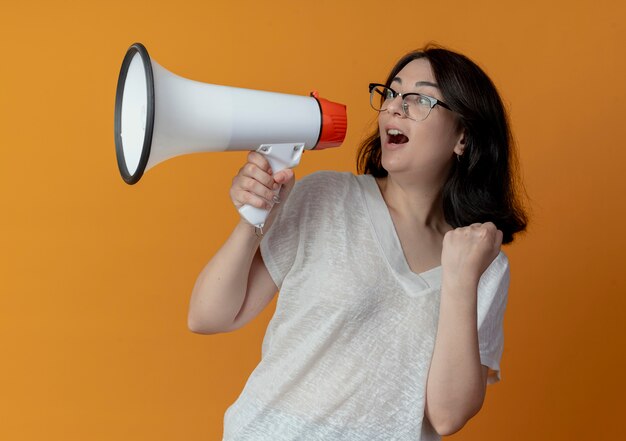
468	251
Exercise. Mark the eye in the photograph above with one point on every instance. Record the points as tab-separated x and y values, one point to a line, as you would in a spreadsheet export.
423	101
389	95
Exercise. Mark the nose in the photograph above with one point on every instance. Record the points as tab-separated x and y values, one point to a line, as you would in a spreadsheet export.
394	106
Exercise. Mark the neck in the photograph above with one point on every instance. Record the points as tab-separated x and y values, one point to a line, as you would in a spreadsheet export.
421	204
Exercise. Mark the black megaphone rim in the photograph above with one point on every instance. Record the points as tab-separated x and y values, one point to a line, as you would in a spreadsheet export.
136	48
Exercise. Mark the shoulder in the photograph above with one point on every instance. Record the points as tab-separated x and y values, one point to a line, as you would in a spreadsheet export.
326	178
325	183
323	193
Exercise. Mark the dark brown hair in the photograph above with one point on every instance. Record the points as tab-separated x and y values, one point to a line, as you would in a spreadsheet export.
482	186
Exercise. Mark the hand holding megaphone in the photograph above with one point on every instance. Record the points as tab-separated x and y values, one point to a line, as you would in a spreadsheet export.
159	115
258	187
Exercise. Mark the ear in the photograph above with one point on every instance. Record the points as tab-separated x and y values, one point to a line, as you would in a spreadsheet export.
459	147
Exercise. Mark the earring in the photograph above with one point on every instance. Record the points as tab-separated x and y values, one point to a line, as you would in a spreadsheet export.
458	158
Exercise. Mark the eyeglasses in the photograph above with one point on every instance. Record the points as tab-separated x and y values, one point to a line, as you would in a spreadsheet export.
414	105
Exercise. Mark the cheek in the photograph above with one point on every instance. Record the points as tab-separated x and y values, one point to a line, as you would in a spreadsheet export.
439	138
427	140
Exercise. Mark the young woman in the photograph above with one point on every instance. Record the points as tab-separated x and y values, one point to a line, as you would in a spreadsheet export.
392	283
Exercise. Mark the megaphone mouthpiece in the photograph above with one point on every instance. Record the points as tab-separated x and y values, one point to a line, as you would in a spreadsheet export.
334	123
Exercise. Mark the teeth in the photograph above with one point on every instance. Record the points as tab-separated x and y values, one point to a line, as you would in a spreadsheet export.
394	132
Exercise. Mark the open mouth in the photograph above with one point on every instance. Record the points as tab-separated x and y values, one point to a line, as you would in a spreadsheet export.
395	136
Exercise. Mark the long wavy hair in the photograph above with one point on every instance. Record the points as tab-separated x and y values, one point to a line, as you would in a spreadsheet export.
483	184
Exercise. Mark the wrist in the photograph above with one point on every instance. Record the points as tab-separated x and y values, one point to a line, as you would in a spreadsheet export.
460	278
464	288
249	232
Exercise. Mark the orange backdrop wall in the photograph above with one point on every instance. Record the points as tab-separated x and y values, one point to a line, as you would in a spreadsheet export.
95	275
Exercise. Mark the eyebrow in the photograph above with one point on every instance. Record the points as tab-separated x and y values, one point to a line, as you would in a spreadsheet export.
418	84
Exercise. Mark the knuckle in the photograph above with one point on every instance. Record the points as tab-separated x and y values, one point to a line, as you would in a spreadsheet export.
237	183
262	161
250	199
247	184
238	198
258	159
249	168
452	233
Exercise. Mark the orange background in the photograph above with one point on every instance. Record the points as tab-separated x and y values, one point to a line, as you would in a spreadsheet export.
95	275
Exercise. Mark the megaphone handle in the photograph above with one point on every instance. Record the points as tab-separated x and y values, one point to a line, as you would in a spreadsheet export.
280	157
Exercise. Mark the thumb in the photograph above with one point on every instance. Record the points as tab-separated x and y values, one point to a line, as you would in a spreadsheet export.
287	179
283	176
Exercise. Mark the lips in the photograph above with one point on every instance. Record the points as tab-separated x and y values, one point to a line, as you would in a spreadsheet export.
395	136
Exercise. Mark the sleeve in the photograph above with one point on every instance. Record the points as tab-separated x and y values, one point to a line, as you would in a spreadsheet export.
492	298
280	245
297	227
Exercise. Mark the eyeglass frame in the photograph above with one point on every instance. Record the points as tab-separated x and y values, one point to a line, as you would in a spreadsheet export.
433	101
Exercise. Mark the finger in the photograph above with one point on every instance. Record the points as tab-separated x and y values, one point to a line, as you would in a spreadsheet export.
253	186
490	229
285	189
260	161
243	197
252	170
288	179
284	180
284	176
499	236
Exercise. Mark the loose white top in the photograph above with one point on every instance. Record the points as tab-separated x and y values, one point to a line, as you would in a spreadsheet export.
347	353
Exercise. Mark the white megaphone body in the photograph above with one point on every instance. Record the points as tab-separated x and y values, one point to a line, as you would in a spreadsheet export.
159	115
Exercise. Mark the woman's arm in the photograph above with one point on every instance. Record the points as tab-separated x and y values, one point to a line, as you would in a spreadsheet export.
235	285
235	277
456	385
456	380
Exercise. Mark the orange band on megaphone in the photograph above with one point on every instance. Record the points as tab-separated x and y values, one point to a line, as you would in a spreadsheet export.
334	123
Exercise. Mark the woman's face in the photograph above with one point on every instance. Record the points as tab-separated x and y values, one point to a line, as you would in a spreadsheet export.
426	149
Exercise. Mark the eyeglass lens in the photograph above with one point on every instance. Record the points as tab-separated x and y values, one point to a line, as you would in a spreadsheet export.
414	106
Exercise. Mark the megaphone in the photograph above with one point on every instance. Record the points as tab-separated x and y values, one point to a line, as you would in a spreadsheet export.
160	115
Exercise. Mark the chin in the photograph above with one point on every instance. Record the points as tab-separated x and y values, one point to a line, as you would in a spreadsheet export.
395	166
